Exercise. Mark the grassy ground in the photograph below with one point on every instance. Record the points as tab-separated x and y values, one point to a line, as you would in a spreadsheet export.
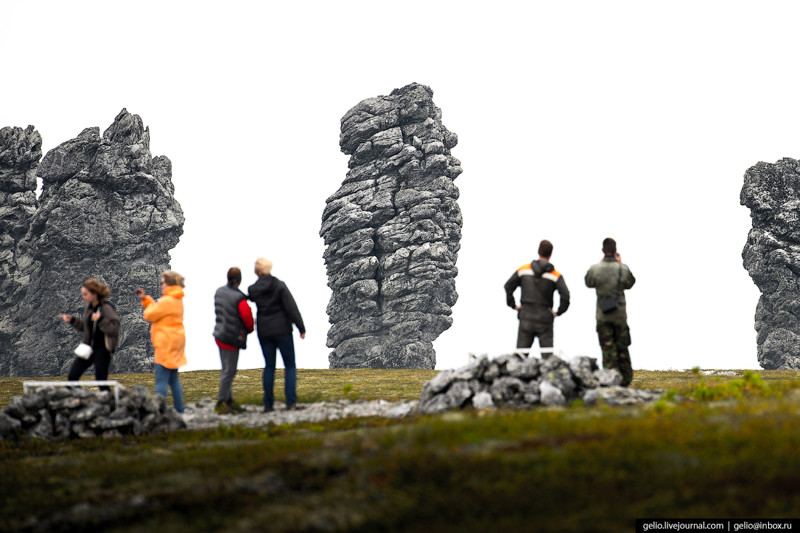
313	385
730	451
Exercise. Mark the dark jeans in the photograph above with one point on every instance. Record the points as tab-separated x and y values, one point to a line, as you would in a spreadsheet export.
100	358
284	343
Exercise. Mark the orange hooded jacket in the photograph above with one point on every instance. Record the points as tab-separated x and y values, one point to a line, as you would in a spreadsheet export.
168	334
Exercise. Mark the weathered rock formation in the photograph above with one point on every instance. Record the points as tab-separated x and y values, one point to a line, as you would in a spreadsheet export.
392	232
107	210
62	413
20	152
514	381
772	258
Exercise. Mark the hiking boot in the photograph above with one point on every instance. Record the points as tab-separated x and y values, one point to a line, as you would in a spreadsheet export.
268	408
235	407
291	407
222	408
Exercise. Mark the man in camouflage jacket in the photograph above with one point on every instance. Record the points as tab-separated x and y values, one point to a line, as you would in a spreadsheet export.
610	278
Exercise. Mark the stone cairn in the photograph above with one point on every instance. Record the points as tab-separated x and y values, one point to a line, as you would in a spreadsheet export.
392	232
58	413
107	210
516	381
771	256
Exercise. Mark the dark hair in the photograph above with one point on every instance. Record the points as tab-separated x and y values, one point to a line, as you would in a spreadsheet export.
97	287
609	246
234	275
545	248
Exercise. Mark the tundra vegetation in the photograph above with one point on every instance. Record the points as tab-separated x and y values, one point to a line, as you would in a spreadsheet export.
722	445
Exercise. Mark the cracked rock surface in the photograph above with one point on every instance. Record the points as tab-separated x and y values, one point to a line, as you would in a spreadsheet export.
392	234
772	258
20	152
107	210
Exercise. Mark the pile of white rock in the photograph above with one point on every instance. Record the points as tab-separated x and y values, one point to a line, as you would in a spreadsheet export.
513	380
58	413
201	414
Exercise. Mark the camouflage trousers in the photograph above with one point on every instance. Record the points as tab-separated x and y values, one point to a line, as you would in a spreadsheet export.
614	342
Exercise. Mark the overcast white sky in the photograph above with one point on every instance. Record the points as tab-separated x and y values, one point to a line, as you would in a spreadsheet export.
577	121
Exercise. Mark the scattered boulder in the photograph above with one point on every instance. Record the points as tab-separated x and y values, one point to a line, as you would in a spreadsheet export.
392	234
516	381
107	210
59	413
617	395
551	395
608	377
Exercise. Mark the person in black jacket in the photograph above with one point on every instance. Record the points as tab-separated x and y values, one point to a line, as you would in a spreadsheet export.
538	281
276	312
234	323
100	328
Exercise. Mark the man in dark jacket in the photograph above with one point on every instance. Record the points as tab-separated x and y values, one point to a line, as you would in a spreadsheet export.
610	278
538	281
234	323
276	312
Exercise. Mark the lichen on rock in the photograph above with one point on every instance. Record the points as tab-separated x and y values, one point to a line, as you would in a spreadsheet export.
392	233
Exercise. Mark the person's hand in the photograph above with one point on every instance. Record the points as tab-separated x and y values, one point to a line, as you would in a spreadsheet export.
302	335
140	293
65	318
96	316
518	307
555	313
618	257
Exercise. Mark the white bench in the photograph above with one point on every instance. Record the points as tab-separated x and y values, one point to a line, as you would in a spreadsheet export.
31	385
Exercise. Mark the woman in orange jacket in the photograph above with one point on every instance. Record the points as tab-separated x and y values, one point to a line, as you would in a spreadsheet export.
168	334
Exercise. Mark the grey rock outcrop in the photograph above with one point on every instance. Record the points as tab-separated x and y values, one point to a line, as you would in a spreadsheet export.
58	413
392	234
772	258
20	152
514	381
107	210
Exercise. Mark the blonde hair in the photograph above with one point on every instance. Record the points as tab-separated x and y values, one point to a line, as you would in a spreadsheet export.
263	266
171	278
100	289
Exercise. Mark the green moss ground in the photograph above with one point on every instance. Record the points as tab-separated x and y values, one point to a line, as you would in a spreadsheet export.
729	451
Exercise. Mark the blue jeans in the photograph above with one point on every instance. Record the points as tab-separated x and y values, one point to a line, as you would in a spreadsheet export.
284	343
169	376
